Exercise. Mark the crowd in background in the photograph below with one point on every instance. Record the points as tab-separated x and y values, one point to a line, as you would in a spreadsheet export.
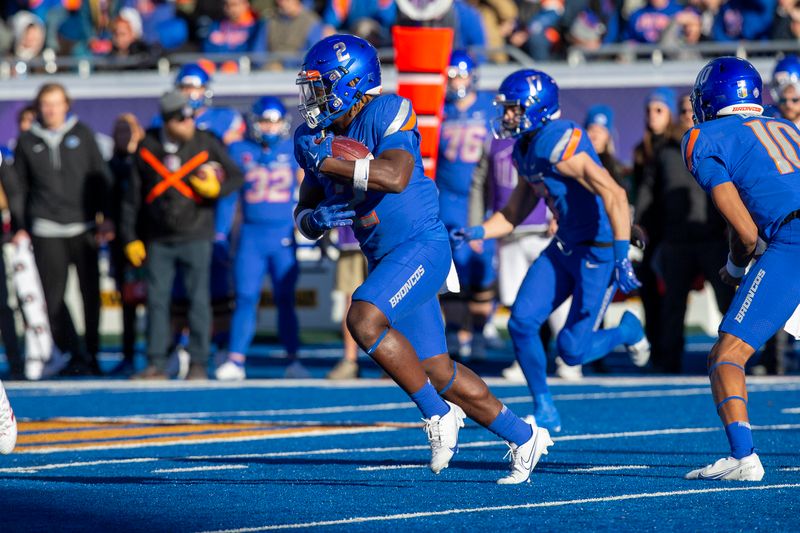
133	34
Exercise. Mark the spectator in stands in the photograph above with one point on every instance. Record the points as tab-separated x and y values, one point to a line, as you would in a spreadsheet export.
786	25
127	135
744	20
60	190
346	15
239	31
591	28
693	242
292	30
351	271
683	33
539	32
83	28
159	17
29	35
168	219
660	108
646	25
499	18
128	50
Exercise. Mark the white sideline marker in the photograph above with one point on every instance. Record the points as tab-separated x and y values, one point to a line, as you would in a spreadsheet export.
557	503
609	468
199	469
791	411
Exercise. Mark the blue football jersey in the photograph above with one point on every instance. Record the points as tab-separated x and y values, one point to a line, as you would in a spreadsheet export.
270	174
759	155
580	213
465	135
385	220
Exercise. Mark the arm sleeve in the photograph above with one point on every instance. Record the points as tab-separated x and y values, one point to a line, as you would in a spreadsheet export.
131	202
477	191
234	179
224	213
16	185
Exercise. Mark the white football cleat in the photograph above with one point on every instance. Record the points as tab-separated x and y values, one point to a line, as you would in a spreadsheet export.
568	373
442	434
8	424
526	456
230	371
178	363
639	352
745	469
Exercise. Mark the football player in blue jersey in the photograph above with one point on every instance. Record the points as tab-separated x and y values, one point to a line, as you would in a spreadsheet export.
394	211
464	137
749	165
266	237
588	258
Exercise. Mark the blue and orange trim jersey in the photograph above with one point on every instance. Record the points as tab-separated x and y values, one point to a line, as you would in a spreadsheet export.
759	155
580	213
386	220
464	138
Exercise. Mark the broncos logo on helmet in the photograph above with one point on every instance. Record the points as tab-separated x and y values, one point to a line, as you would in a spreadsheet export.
726	86
527	99
337	72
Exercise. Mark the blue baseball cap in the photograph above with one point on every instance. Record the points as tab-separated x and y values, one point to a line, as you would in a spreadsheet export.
601	115
666	96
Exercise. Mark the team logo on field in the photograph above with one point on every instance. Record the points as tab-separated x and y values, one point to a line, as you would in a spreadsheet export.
407	286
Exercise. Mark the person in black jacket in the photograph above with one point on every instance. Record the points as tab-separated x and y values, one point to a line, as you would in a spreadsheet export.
168	219
693	241
59	196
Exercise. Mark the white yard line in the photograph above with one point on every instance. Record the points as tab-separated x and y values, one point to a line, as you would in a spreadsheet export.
388	467
55	466
496	508
609	468
199	469
791	411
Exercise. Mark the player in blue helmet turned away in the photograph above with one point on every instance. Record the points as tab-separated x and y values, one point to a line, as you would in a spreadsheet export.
266	237
195	82
785	89
394	211
464	138
588	258
748	163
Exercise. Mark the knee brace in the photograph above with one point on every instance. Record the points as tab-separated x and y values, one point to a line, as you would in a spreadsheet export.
374	346
713	367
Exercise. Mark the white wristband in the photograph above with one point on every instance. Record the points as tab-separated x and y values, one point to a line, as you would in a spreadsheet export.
361	174
734	270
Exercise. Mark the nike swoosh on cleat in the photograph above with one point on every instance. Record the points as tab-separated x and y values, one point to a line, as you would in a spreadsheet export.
528	465
718	475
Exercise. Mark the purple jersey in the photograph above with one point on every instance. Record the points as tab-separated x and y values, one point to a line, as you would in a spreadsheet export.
346	239
502	180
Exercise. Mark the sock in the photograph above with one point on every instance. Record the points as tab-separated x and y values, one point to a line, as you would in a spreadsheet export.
429	401
510	427
237	359
741	439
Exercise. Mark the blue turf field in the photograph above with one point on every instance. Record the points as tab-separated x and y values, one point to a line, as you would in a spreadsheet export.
119	456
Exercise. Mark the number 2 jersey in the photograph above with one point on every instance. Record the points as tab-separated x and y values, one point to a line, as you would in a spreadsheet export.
581	216
464	137
386	220
759	155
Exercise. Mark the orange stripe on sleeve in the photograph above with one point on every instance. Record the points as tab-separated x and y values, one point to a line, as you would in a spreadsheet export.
572	145
690	147
411	122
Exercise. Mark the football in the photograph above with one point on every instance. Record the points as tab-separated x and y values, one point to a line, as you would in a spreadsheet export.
212	168
349	149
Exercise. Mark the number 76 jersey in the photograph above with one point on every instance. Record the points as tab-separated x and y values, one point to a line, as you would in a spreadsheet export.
759	155
268	195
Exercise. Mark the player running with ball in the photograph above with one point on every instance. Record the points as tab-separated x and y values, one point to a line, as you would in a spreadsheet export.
393	207
749	165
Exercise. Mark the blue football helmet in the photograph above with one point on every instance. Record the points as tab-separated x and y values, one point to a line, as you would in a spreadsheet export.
533	97
461	66
787	71
726	86
271	109
337	72
193	76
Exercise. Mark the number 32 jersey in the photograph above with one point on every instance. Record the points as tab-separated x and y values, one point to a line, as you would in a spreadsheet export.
759	155
270	180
